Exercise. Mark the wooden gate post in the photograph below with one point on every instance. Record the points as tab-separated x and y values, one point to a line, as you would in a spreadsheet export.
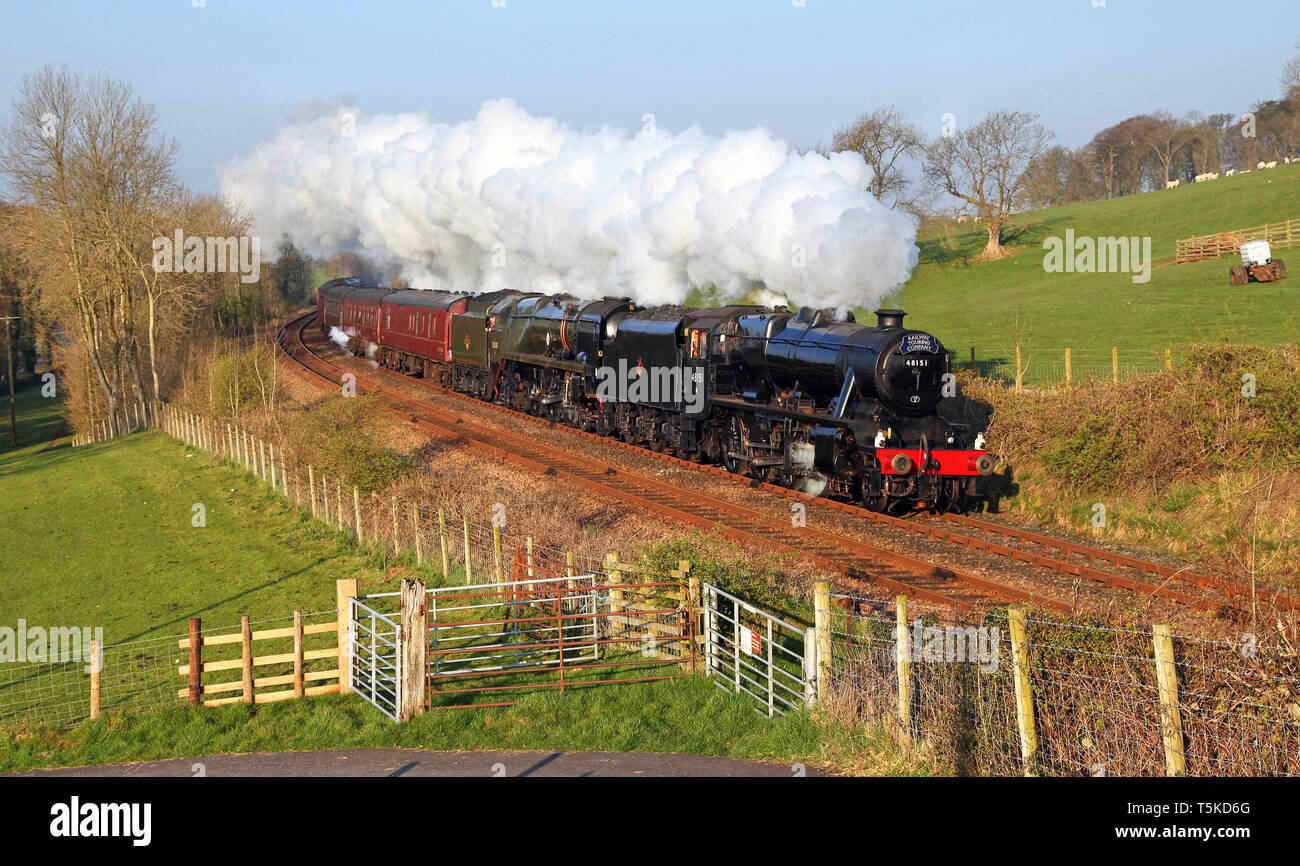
413	649
822	622
196	659
1024	690
345	589
1171	723
904	648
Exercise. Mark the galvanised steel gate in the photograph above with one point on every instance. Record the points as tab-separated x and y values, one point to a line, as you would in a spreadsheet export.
751	651
490	643
375	658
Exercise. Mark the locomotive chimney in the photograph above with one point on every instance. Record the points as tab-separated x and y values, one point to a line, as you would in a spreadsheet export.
886	319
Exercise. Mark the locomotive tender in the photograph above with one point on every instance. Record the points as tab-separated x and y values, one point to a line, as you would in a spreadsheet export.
804	399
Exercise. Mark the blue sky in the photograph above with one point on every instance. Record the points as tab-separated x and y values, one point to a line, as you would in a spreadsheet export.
224	75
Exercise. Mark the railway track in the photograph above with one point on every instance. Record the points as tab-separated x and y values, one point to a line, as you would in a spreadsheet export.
853	559
1145	578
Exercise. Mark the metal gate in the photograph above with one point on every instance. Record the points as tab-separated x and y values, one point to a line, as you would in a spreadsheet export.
490	643
375	659
750	650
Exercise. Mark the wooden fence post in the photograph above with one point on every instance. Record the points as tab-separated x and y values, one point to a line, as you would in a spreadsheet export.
356	510
415	532
271	456
496	550
413	649
96	665
1020	372
904	668
298	688
613	578
1114	364
196	659
469	567
442	541
1169	359
528	555
822	622
338	502
1171	723
311	489
1069	366
345	589
1024	690
246	641
568	568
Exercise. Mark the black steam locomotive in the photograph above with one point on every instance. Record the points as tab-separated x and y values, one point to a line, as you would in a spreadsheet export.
804	399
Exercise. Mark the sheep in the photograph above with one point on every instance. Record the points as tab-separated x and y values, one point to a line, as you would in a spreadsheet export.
1272	164
1172	184
1260	166
1230	172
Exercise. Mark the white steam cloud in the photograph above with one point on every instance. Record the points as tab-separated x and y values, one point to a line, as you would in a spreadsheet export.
512	200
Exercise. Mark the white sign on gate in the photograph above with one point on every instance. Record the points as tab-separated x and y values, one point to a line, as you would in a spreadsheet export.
751	642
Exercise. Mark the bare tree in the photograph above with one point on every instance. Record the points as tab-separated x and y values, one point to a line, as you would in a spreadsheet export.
882	137
985	166
1167	138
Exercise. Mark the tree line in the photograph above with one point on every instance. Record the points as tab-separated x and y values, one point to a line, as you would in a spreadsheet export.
1006	161
95	197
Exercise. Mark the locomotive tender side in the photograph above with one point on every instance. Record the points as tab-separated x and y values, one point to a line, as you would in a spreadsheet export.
806	399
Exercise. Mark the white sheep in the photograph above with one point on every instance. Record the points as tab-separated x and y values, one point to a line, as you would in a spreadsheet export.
1172	184
1230	172
1272	164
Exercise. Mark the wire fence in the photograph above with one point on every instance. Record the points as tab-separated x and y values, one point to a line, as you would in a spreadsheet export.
1053	367
1094	700
63	690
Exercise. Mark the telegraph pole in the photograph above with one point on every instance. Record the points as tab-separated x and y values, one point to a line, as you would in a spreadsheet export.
9	359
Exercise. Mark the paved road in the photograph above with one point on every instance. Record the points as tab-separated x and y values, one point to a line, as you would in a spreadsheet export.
417	762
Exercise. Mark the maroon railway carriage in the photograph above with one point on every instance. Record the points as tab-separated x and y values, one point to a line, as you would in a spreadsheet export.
415	326
329	300
359	319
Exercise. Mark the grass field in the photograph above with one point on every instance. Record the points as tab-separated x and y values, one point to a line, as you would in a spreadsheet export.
969	304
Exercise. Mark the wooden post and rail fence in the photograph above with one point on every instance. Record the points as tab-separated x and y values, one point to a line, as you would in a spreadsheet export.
1280	236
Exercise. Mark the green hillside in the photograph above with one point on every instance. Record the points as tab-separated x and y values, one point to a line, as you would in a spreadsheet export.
969	304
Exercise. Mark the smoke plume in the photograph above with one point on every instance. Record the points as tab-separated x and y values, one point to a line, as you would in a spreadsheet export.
512	200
